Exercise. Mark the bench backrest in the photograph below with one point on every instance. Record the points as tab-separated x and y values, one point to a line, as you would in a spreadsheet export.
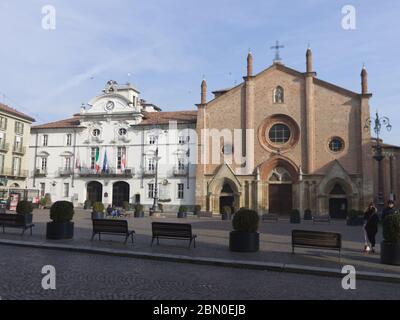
167	229
317	238
11	219
110	226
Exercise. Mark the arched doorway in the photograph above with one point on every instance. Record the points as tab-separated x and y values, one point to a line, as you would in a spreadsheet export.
227	198
94	191
120	193
338	203
280	191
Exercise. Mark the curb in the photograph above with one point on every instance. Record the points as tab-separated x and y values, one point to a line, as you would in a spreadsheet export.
240	264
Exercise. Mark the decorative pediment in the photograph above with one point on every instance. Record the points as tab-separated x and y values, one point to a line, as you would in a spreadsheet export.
337	175
224	175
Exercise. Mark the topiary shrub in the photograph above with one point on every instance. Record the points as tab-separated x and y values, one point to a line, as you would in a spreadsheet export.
24	207
98	207
138	207
226	210
182	209
161	207
43	201
48	202
295	216
391	228
126	205
87	205
354	214
307	214
246	220
62	211
197	209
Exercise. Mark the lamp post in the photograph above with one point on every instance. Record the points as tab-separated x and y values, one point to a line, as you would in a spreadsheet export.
155	195
378	124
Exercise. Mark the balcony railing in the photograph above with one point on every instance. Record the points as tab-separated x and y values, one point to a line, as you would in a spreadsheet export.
9	172
149	172
40	173
180	171
65	172
19	149
111	172
4	147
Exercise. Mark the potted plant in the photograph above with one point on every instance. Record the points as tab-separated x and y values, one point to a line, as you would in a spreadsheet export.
182	212
161	207
226	213
98	211
61	227
245	237
87	205
196	210
126	206
24	209
295	216
47	202
42	203
139	212
307	214
390	246
355	218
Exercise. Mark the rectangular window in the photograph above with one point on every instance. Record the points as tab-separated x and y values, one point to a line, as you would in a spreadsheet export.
181	191
150	191
19	127
67	163
45	140
151	165
93	157
18	143
121	158
3	123
181	164
2	163
66	190
43	164
2	140
42	189
16	166
69	139
152	139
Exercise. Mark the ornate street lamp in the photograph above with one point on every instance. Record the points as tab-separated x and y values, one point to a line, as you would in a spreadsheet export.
155	195
378	124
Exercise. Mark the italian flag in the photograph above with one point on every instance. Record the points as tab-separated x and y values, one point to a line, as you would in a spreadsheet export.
97	157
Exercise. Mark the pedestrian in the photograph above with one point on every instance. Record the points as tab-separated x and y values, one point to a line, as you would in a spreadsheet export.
389	210
371	221
109	210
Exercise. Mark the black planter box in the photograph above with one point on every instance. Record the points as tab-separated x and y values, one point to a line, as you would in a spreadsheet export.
25	218
308	216
295	220
357	221
390	253
244	241
59	230
139	214
182	215
97	215
226	216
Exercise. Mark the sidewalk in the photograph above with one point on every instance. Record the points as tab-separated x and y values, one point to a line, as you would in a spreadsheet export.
213	246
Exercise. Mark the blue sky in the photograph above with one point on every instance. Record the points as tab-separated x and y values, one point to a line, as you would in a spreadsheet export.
167	46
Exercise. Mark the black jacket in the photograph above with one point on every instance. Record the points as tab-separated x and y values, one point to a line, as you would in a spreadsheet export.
387	212
371	220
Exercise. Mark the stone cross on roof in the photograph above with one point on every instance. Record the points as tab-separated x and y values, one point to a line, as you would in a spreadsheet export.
276	47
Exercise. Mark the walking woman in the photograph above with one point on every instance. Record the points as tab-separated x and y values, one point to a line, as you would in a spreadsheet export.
371	221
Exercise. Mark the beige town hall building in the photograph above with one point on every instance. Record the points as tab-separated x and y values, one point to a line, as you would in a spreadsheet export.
311	150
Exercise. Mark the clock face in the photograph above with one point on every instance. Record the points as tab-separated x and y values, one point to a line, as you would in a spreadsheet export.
110	106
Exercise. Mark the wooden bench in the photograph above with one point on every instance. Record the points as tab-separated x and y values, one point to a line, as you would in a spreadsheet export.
270	217
166	230
316	239
114	227
322	219
16	221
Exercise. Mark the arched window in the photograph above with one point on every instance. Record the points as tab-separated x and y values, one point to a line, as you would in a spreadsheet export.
279	95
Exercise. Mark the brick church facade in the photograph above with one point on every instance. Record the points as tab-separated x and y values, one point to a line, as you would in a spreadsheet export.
303	139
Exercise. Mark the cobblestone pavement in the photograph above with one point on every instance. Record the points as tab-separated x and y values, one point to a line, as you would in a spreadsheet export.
82	276
213	240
